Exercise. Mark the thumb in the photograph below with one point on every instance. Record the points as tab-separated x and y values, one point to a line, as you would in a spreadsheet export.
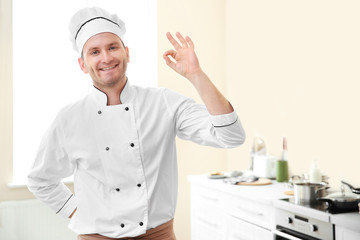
168	61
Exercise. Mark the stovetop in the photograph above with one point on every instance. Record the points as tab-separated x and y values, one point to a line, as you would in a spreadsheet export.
317	205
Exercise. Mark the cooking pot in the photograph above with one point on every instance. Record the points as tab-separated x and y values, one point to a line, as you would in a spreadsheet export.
309	192
342	201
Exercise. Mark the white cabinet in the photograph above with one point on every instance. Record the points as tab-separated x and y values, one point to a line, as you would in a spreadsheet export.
342	233
207	214
238	229
253	211
347	226
220	211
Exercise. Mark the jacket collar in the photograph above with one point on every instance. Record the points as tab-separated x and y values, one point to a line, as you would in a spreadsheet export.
101	97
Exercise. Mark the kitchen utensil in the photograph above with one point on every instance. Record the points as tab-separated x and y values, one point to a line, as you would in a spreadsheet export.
258	149
244	179
342	202
295	179
309	192
354	190
259	146
259	182
264	166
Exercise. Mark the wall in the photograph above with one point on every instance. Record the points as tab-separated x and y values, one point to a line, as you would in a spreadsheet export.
293	70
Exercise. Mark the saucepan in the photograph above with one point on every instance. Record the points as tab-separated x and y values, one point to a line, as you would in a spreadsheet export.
309	192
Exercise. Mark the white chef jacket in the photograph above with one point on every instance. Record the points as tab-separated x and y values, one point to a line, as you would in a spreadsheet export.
123	158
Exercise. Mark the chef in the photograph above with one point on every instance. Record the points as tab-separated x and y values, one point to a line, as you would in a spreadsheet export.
119	141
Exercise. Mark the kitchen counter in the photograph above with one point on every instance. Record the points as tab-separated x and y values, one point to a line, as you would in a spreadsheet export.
250	211
263	193
222	211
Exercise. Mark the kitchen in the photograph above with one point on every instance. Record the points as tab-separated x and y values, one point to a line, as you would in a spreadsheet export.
288	68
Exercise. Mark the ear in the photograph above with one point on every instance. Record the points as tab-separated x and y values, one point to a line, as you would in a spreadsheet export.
82	65
127	54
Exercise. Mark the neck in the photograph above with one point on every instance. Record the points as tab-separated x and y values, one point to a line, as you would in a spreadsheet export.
113	92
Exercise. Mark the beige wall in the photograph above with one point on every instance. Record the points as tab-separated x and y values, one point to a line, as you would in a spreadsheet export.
293	70
290	68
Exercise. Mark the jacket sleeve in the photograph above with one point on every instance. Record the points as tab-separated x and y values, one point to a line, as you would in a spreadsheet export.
193	122
51	165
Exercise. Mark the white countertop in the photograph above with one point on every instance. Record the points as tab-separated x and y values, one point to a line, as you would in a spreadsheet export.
264	193
269	194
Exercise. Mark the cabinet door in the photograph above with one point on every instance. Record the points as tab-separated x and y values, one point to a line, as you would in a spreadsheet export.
254	212
207	214
203	230
238	229
342	233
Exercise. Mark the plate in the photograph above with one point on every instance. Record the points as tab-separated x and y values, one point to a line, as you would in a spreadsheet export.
217	176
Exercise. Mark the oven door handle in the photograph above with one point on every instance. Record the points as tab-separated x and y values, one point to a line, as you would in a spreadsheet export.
285	235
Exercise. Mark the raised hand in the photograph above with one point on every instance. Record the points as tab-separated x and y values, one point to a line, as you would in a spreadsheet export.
184	60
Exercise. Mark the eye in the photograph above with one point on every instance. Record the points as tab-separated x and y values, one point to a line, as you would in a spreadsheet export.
94	52
112	48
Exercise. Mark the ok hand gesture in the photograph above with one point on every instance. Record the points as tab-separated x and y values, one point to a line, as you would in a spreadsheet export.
184	60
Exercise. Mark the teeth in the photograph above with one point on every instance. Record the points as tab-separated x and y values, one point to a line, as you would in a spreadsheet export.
108	68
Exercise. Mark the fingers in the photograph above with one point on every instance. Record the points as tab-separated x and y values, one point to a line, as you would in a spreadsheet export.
168	60
182	40
173	41
185	42
190	42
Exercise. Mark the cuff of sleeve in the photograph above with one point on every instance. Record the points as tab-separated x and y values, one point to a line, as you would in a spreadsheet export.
69	207
223	120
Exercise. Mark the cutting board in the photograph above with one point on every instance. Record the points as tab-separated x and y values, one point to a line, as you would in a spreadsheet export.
260	182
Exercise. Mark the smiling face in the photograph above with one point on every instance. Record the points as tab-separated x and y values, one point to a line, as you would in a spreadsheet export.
105	58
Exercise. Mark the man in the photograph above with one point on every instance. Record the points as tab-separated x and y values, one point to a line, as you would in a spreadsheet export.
119	141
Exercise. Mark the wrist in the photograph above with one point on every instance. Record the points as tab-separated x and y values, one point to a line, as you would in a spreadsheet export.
196	76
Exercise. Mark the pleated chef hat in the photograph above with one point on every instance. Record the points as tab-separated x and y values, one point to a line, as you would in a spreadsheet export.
88	22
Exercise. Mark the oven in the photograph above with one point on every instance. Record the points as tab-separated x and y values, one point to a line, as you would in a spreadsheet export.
282	233
294	222
286	234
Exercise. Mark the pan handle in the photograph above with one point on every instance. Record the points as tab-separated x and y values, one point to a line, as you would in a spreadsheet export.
354	190
329	201
350	186
322	188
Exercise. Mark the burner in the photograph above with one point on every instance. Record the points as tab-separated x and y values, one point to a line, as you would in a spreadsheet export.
317	205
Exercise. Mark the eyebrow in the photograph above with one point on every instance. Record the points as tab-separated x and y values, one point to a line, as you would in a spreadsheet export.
92	49
108	45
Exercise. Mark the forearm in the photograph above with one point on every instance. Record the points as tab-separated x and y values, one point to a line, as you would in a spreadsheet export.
213	99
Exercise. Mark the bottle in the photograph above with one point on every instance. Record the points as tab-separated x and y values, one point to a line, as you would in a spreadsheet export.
282	173
314	173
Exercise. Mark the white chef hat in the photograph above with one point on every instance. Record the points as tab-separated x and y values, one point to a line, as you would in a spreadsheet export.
88	22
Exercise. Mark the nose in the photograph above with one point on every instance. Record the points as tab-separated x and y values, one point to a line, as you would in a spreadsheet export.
107	57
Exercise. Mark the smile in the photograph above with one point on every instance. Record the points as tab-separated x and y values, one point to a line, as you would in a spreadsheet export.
108	68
